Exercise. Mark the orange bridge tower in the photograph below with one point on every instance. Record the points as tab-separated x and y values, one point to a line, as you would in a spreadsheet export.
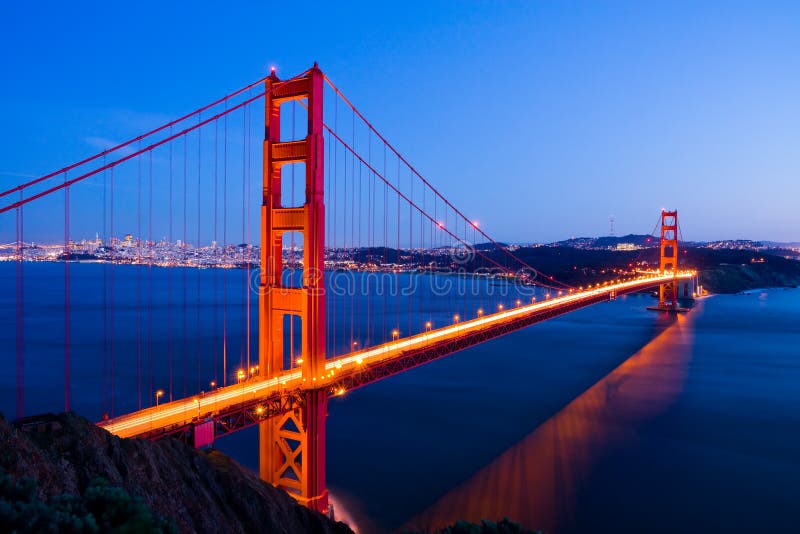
292	446
668	292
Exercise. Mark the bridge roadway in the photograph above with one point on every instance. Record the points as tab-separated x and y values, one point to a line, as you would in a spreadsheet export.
249	401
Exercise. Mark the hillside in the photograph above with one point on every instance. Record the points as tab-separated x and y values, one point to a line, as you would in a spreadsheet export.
197	491
720	270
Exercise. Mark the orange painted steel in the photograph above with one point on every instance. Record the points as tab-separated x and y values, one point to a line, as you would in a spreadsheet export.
668	292
292	445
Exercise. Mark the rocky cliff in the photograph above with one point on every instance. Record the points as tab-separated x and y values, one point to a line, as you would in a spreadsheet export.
198	491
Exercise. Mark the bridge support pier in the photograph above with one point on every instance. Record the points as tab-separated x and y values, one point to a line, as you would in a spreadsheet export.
292	451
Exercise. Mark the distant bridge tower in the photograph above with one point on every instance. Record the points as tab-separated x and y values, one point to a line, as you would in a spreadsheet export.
668	292
292	446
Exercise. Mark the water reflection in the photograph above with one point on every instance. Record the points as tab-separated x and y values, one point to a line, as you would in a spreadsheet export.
536	481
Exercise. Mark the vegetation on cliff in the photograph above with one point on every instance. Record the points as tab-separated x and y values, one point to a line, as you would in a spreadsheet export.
101	508
87	480
484	527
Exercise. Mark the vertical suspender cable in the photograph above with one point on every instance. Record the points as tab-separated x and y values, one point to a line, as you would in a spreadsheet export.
151	245
66	300
343	300
111	292
20	312
334	194
370	232
184	266
106	246
399	268
139	279
243	247
411	273
385	245
215	326
291	249
225	249
169	273
327	247
248	127
197	249
360	249
352	235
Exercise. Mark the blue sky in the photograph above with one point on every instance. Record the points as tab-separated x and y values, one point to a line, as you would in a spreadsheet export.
539	119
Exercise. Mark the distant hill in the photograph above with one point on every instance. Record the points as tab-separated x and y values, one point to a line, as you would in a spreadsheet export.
779	245
721	270
607	241
488	246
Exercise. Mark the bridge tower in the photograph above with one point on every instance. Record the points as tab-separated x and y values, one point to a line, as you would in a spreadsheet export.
292	446
668	292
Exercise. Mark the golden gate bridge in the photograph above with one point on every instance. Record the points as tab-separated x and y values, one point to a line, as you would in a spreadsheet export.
334	196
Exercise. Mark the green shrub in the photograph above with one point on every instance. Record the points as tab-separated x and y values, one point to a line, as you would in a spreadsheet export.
101	508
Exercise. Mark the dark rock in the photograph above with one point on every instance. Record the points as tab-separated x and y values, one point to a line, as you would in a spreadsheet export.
200	491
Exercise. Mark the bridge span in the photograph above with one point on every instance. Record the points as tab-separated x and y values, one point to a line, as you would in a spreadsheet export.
256	399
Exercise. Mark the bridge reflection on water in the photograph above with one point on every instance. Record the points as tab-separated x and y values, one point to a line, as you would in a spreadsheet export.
536	482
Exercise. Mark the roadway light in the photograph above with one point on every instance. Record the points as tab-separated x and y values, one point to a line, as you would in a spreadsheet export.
428	326
298	361
159	394
480	312
240	375
456	318
355	344
499	307
213	384
519	302
259	410
395	334
533	299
